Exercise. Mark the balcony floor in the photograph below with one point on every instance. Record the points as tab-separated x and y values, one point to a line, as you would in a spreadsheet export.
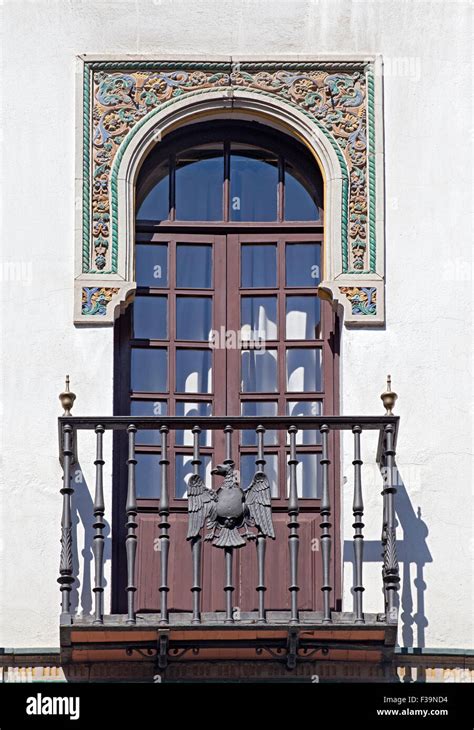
244	640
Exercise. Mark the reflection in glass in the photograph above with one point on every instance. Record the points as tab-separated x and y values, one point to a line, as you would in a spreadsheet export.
149	372
148	408
151	265
306	408
259	318
199	184
198	409
253	184
258	408
303	264
148	476
193	371
193	318
193	266
259	371
184	469
303	318
248	469
155	206
300	202
150	318
303	370
258	265
308	476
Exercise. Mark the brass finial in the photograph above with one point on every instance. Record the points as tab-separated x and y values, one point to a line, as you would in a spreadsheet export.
67	398
389	397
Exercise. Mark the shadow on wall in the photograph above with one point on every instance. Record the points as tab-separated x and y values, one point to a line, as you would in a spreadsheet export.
83	513
413	554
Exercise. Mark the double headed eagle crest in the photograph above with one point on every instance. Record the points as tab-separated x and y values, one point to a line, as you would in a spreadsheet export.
229	512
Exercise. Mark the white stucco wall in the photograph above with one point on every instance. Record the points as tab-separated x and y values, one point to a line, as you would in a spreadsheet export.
426	344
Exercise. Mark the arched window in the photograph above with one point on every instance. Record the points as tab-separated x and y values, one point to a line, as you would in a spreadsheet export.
227	321
234	174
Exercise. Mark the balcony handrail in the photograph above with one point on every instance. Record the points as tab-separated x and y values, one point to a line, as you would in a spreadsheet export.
237	422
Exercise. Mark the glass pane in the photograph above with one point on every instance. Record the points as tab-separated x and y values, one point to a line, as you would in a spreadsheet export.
303	318
193	318
193	371
199	184
248	469
300	201
149	370
193	266
148	408
193	408
148	476
253	184
308	476
303	264
258	265
150	318
259	318
258	408
155	206
306	408
303	370
184	469
259	371
151	265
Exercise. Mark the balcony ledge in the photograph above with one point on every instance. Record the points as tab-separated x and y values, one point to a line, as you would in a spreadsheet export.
115	640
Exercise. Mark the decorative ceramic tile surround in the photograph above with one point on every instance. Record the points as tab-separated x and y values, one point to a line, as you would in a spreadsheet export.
126	108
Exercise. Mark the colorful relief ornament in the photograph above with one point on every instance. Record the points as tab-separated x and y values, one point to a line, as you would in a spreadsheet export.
362	299
337	102
95	299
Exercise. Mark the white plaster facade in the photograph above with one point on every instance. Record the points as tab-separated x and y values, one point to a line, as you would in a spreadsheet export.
426	343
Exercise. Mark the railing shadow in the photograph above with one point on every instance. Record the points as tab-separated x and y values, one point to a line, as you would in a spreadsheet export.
413	555
83	514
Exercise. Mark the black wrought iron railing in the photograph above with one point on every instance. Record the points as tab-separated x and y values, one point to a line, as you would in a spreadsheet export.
228	520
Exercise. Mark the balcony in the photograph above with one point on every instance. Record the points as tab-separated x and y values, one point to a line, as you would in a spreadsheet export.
260	630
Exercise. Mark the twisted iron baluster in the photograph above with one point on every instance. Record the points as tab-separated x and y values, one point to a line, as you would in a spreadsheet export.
391	574
66	578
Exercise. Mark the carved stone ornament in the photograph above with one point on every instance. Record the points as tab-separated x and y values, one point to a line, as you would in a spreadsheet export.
127	106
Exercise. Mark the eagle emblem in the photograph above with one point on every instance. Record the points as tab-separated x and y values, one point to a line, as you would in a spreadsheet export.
229	511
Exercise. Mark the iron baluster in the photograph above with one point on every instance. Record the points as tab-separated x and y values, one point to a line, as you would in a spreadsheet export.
228	551
99	526
164	526
325	526
391	573
131	525
196	542
358	512
66	578
261	538
293	525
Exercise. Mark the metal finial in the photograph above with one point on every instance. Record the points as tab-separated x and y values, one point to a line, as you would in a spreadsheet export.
389	397
67	398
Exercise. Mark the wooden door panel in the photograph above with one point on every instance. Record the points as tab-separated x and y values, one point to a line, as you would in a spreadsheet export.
180	577
148	564
277	578
226	398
